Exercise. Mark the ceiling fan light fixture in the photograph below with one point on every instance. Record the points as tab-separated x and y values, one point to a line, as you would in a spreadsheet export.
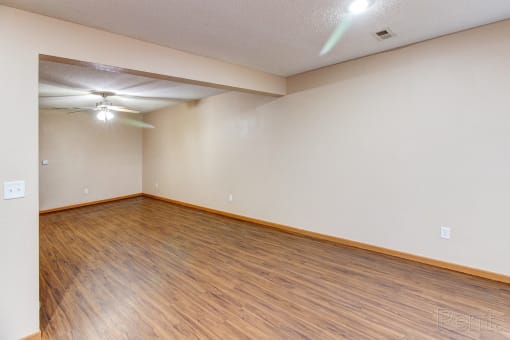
104	115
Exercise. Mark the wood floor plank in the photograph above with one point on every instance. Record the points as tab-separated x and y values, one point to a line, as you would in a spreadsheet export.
146	269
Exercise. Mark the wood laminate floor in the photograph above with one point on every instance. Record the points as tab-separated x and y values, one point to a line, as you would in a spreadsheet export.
145	269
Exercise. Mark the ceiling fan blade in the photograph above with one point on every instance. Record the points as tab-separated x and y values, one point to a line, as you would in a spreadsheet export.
121	109
71	110
74	108
85	108
75	111
62	96
151	98
134	123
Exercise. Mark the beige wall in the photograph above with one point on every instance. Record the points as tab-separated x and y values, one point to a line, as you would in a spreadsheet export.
84	153
23	37
432	119
382	150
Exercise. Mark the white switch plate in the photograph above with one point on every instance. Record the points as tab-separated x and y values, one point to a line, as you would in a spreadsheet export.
445	233
14	189
230	198
45	162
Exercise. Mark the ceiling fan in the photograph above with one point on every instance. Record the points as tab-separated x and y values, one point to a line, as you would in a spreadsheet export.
105	110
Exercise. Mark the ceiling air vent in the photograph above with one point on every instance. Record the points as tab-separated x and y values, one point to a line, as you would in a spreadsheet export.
384	34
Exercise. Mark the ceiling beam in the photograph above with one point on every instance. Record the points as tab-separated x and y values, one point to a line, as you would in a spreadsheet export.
72	43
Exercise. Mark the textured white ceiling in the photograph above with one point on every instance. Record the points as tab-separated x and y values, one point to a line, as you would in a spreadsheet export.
67	86
283	37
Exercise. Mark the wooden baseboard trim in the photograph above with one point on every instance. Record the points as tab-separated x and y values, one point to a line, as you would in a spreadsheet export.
35	336
337	240
85	204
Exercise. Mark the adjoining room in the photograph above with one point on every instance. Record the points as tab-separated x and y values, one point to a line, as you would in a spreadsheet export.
90	130
255	170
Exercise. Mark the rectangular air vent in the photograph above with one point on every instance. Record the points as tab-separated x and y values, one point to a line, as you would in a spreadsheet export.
384	34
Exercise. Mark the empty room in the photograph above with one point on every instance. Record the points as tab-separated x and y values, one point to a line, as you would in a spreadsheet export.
333	169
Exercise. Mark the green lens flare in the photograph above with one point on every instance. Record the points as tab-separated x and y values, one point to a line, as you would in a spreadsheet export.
337	35
135	123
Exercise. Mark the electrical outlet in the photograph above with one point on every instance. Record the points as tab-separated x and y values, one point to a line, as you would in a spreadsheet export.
445	233
156	186
86	191
230	197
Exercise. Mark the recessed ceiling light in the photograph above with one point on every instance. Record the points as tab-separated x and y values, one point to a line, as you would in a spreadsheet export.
358	6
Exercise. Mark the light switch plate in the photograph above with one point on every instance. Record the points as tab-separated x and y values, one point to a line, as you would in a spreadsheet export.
14	189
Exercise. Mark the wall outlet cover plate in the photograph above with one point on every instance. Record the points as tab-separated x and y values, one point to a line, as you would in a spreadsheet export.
445	233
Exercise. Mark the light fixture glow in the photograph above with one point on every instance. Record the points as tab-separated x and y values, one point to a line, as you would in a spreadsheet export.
358	6
104	115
